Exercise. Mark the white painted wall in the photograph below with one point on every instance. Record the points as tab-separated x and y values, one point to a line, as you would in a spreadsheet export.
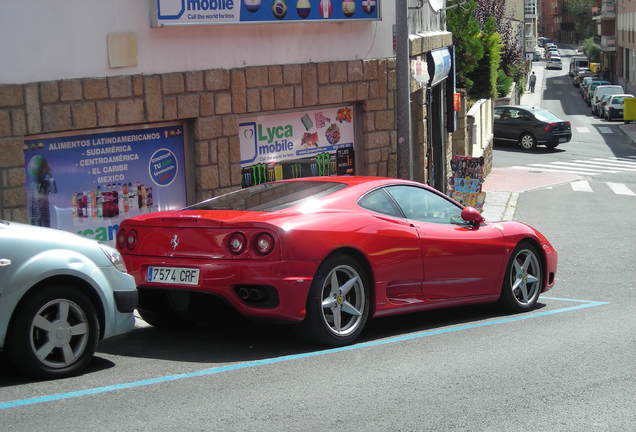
42	40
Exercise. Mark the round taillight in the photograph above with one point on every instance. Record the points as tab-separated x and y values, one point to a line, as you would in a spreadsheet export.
121	239
264	243
236	243
131	239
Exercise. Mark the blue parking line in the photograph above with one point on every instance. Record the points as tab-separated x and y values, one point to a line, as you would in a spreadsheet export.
583	304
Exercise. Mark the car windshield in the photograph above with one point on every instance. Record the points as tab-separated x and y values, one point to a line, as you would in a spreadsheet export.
544	115
269	197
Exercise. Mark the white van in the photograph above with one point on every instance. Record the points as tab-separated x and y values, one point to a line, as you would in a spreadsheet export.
601	91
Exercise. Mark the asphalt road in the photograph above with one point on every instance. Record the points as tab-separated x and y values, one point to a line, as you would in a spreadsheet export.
567	366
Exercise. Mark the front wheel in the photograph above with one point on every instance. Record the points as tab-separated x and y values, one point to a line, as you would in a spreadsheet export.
527	141
54	333
338	302
524	279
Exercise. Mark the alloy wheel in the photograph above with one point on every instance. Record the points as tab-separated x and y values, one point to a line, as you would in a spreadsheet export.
59	333
525	276
343	300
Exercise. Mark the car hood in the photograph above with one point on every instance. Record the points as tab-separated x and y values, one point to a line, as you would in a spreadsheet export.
48	235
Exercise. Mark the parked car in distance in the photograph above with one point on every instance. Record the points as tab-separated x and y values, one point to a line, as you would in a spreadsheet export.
590	89
582	73
578	63
614	107
529	126
59	295
599	92
585	82
554	62
552	51
329	253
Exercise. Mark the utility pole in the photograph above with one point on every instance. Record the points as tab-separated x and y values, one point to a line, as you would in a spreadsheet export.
403	102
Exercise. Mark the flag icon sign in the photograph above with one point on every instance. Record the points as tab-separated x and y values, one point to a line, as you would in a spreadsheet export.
368	5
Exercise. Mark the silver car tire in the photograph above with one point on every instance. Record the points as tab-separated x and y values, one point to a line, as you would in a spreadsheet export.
53	333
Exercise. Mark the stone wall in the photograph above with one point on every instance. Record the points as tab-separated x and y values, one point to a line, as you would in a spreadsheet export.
211	102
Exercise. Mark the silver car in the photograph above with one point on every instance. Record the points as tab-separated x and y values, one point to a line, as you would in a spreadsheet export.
59	295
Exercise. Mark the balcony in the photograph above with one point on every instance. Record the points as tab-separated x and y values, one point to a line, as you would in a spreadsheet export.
422	18
606	11
605	43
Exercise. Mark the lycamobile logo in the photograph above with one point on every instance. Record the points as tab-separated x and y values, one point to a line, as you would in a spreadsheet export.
276	138
205	5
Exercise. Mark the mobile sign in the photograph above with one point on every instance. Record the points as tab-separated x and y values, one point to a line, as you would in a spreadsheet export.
205	12
297	144
88	183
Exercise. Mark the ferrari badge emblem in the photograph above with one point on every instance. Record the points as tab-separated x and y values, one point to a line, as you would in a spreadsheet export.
174	242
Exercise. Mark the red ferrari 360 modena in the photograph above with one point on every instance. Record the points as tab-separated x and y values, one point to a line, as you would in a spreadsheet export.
328	253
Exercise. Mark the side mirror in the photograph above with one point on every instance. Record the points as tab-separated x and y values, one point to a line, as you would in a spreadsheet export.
472	216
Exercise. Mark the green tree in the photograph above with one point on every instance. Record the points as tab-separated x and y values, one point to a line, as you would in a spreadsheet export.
581	12
591	50
469	49
487	70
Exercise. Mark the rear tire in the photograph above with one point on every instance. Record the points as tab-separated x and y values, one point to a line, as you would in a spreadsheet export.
338	303
54	333
527	141
156	310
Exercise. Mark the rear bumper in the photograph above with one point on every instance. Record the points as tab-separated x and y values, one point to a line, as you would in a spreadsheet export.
291	280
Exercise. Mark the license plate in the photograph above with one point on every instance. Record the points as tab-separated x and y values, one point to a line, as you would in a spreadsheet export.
173	275
563	140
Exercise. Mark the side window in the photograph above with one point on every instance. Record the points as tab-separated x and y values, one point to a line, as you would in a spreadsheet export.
379	201
525	115
425	206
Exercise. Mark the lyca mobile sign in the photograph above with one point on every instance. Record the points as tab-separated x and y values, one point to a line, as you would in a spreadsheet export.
204	12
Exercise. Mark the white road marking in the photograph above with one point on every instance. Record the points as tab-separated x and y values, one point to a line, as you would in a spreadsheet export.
605	130
626	164
581	186
607	165
586	167
554	170
582	129
620	189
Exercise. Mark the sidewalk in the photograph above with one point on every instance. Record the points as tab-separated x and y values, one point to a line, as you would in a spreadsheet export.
503	186
501	204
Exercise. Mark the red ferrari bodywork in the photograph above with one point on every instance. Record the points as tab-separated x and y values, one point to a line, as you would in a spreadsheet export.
413	265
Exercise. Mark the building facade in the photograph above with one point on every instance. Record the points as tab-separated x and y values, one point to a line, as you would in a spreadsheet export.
625	69
90	78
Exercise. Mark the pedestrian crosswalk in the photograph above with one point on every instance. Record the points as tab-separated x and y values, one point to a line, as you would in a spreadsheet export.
616	188
586	167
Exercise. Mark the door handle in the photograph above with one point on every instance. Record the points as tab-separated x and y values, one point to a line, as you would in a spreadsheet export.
4	262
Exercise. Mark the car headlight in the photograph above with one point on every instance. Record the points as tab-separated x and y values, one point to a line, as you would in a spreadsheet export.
115	257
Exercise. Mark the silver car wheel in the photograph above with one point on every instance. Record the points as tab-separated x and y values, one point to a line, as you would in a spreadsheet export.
527	142
59	333
343	300
525	277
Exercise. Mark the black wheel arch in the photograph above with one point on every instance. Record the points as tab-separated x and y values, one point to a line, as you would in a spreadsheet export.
71	281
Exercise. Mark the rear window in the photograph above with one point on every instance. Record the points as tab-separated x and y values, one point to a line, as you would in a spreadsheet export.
581	63
544	115
619	99
269	196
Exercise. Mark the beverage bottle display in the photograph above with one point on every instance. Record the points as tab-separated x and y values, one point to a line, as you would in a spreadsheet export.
100	202
149	197
126	203
93	204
